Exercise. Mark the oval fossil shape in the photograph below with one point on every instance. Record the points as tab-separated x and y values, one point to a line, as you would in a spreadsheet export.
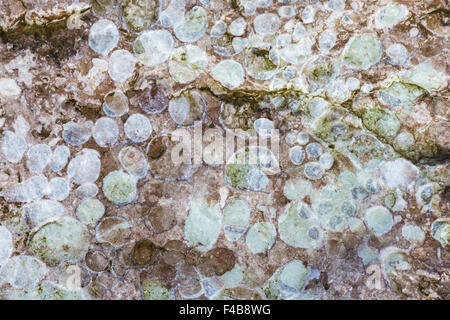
103	36
115	104
193	26
96	261
289	280
160	219
216	261
152	97
134	161
203	224
84	167
120	187
153	47
138	128
362	51
89	211
187	109
144	253
140	15
112	232
58	241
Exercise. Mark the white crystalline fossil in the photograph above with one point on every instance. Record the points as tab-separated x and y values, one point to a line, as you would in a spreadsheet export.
58	188
38	157
296	155
103	36
153	47
121	65
267	23
59	158
105	132
84	167
77	134
138	128
13	147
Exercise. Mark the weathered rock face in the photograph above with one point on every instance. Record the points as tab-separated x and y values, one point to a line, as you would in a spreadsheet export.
245	149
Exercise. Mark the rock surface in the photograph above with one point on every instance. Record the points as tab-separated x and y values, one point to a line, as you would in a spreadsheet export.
103	107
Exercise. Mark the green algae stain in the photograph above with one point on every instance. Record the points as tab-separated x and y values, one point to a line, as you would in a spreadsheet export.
362	51
60	241
381	122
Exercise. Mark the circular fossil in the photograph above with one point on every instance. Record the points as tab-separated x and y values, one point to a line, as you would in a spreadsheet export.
153	98
139	15
160	219
61	240
102	7
120	187
115	104
96	260
144	253
187	109
112	232
216	261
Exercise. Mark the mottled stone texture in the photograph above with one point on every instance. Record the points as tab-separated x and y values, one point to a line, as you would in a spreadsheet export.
94	207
